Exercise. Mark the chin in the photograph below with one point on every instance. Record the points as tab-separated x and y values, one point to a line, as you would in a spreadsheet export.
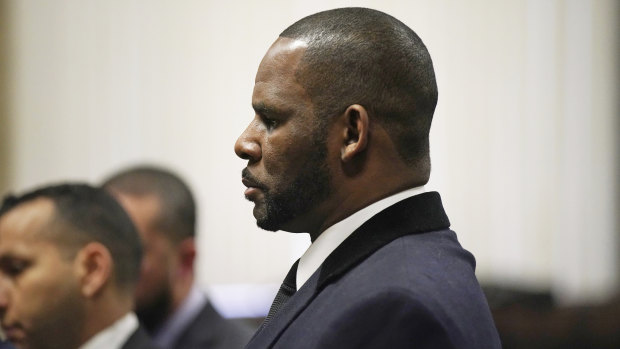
266	225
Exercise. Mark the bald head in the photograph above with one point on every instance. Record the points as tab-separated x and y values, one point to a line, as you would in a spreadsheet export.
176	214
363	56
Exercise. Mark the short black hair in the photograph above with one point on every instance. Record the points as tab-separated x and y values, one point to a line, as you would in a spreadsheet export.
177	214
363	56
90	214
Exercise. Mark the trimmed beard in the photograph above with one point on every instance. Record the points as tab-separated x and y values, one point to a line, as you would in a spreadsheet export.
306	191
153	314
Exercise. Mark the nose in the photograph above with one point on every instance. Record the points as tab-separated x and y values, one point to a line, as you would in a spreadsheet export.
247	145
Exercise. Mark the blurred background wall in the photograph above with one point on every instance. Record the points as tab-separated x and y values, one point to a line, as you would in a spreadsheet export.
524	143
4	94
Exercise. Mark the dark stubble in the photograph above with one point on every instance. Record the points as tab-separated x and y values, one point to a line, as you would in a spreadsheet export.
310	188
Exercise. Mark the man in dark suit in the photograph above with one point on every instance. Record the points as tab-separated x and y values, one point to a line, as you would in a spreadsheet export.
174	311
69	261
338	148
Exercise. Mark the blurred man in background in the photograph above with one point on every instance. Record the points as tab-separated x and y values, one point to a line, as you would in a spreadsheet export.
69	261
169	304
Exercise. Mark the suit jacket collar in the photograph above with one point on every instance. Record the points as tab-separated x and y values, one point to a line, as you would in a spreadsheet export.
417	214
115	334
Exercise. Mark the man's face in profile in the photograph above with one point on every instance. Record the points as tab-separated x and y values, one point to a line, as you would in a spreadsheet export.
40	300
153	293
286	175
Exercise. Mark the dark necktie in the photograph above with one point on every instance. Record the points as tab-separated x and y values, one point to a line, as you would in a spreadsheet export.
285	292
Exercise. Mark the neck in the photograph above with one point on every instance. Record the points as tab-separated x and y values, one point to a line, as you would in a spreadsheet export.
104	311
372	174
181	290
351	199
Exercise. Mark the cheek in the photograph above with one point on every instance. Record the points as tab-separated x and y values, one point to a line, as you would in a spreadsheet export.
283	159
154	267
42	294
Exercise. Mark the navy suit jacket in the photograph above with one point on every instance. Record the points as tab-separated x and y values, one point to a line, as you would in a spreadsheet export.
209	330
401	280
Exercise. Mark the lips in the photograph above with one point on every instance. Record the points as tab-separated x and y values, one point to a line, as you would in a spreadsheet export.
249	183
253	185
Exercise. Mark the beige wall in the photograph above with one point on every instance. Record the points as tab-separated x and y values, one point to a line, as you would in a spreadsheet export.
4	96
523	141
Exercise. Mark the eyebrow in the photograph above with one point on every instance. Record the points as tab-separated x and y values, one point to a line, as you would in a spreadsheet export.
9	256
264	109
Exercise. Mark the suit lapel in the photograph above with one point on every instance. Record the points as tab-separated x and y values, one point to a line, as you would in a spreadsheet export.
269	333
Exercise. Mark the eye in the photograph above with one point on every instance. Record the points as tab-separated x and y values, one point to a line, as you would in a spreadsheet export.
270	123
13	267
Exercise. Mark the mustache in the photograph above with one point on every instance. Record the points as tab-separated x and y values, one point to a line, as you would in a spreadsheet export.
249	178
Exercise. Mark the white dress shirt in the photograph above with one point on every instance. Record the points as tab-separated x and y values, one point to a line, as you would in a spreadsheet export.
114	336
333	236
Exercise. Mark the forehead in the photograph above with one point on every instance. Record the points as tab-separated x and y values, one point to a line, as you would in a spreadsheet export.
21	227
27	218
275	79
282	58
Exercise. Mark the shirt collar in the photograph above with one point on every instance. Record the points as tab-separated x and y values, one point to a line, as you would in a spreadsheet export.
333	236
177	323
115	335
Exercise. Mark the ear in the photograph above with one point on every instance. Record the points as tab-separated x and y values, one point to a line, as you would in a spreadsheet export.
94	266
355	133
186	252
